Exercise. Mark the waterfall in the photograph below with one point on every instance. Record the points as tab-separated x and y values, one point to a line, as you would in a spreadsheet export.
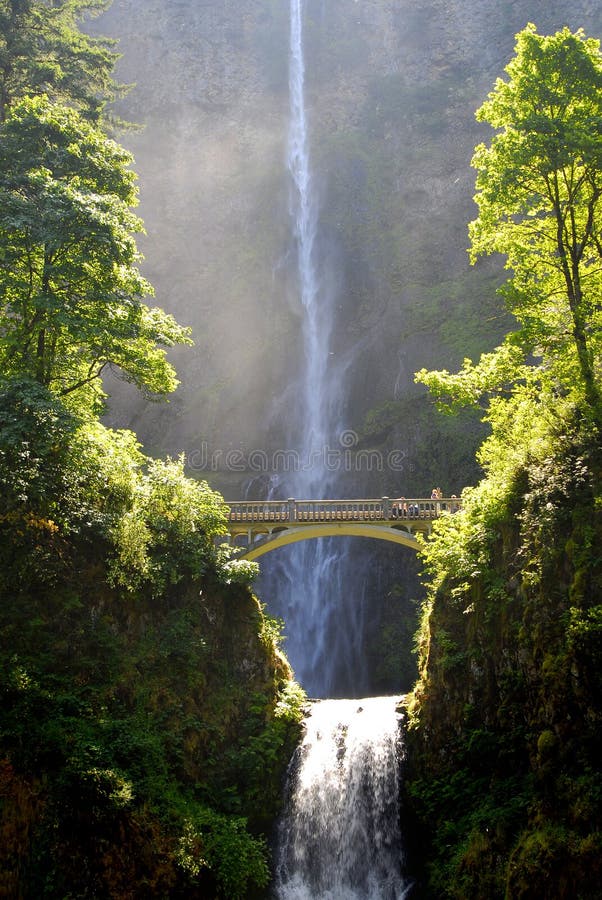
305	583
317	319
339	837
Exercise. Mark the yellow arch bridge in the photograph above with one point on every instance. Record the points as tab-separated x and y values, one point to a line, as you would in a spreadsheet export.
257	527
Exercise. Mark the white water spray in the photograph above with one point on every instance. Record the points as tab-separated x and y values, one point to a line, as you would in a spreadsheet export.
339	838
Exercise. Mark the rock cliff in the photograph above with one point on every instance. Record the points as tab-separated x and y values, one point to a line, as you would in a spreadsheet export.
504	744
392	90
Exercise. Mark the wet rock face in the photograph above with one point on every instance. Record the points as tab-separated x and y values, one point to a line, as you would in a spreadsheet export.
391	94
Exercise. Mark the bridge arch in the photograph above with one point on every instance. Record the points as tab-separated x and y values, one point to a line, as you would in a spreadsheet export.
285	536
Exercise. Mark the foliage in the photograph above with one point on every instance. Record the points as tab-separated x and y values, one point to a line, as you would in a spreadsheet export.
133	659
236	571
539	190
222	843
494	374
143	688
61	476
84	478
171	511
504	742
70	291
429	445
43	51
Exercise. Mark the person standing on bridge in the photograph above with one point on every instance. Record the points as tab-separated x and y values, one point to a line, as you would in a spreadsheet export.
436	494
399	508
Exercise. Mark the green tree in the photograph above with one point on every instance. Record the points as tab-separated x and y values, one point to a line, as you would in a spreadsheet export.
71	296
42	51
539	193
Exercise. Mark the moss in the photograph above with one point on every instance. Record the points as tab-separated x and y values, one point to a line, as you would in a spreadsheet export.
553	861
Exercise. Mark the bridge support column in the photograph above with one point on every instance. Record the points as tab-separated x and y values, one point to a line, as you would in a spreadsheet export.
386	508
292	509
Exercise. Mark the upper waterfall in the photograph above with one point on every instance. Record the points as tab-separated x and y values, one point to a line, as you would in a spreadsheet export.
317	322
304	584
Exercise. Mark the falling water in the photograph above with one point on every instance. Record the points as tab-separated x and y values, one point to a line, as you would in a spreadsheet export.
317	321
339	836
324	622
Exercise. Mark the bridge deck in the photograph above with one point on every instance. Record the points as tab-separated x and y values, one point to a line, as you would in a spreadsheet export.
297	512
267	525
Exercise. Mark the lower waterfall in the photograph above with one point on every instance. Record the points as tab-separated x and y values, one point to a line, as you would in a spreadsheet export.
339	837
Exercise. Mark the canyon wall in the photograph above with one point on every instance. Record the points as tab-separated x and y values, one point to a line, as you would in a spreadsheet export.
392	90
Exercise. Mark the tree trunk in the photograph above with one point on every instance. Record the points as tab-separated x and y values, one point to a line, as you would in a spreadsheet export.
41	357
575	299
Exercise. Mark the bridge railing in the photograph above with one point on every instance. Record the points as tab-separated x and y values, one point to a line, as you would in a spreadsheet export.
260	511
292	510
